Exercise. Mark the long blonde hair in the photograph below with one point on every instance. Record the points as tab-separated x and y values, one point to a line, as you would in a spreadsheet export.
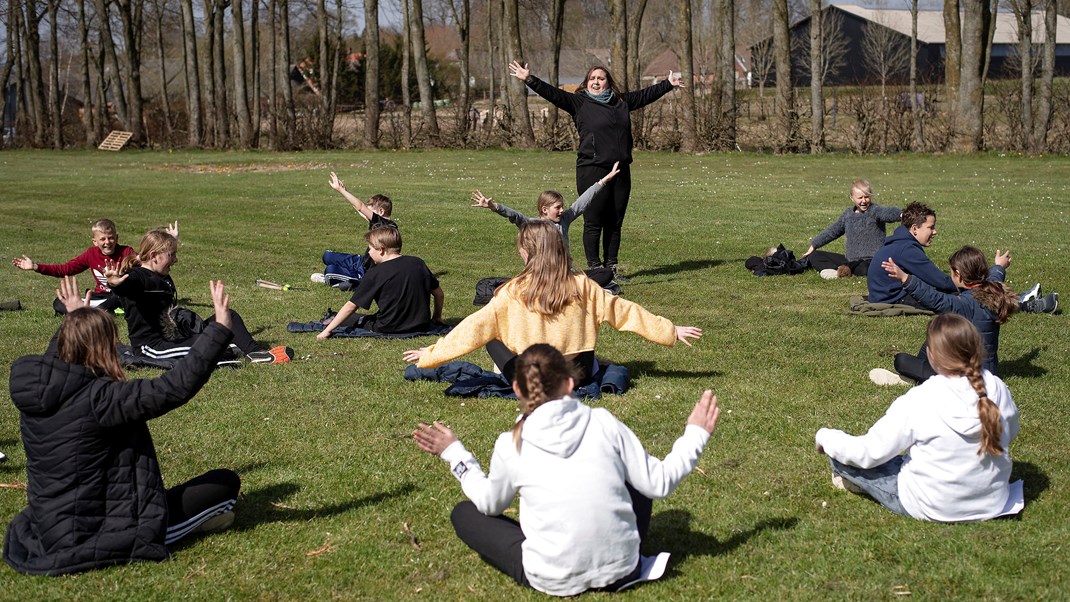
87	337
155	242
955	349
546	285
540	372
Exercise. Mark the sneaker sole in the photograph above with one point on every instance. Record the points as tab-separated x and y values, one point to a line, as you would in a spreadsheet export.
219	522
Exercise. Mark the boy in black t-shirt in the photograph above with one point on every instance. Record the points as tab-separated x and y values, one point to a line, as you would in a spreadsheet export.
399	285
344	271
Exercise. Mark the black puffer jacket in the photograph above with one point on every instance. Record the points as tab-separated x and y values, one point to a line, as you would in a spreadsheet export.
96	497
605	129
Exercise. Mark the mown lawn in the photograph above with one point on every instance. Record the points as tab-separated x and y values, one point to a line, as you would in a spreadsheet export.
340	504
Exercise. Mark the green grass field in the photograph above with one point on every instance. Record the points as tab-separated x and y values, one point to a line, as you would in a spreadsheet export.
340	504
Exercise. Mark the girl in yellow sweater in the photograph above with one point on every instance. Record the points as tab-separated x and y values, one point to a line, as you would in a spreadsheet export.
548	303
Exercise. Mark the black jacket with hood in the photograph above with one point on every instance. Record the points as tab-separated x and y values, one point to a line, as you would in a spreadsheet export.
605	129
96	496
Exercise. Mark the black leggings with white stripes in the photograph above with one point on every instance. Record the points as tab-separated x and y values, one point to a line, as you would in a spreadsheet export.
200	499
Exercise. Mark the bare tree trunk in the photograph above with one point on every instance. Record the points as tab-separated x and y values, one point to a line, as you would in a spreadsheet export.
915	108
685	50
971	89
423	75
323	29
727	15
371	73
332	104
817	100
219	59
116	83
618	42
406	96
254	48
273	21
211	109
784	92
103	111
952	47
290	121
193	80
517	91
635	71
88	116
463	19
1047	77
164	97
1023	14
130	14
31	45
55	104
241	85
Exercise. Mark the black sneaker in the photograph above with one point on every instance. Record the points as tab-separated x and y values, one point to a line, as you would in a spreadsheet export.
617	276
612	287
1044	305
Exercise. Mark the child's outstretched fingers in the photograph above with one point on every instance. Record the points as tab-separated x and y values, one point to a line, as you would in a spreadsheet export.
23	263
68	294
336	183
688	332
1003	259
433	439
893	270
706	412
221	303
413	355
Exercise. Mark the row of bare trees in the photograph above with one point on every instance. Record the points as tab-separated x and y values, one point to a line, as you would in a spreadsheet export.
271	74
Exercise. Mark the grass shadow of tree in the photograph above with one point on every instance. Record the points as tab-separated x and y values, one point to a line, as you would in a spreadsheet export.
671	530
1023	366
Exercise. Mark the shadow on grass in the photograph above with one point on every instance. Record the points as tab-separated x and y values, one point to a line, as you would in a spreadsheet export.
267	505
684	266
1036	482
1023	367
638	369
674	526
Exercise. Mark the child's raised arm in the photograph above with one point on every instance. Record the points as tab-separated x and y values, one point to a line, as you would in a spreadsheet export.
588	195
514	216
359	205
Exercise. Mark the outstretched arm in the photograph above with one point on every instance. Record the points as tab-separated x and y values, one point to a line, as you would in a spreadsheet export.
358	204
343	314
485	202
24	263
588	195
557	97
440	300
514	216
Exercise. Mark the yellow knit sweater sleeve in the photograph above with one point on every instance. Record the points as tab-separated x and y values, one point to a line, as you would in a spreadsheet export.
629	316
473	332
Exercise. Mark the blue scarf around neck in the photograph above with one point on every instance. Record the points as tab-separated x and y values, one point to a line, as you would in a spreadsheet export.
605	97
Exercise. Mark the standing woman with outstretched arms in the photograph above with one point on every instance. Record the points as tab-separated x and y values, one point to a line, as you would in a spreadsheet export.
601	114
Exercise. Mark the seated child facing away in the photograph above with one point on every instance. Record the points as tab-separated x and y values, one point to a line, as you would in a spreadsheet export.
956	429
157	326
864	229
906	246
399	286
105	246
584	479
551	206
344	271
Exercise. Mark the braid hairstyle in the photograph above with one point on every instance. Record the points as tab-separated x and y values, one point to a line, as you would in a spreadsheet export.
545	283
155	242
540	372
88	337
955	349
994	296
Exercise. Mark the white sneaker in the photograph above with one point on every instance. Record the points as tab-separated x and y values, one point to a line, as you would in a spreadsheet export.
886	378
829	274
1030	293
318	278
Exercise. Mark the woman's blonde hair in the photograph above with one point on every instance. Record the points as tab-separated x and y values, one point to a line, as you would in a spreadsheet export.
546	285
540	372
972	268
87	337
955	349
155	242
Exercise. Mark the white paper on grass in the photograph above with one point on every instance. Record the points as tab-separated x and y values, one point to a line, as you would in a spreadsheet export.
651	568
1016	499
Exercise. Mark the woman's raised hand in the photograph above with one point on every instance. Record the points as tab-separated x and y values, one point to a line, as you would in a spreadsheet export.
894	271
518	71
434	439
676	80
68	294
221	301
478	200
688	332
705	413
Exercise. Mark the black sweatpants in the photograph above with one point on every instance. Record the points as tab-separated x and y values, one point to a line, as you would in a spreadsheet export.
914	367
505	360
604	217
243	340
198	500
825	260
498	539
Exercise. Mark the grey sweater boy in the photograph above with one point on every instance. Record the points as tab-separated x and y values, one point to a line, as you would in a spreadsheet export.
865	230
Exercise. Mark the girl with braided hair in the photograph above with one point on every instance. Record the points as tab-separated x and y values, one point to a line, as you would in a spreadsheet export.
984	300
956	429
584	480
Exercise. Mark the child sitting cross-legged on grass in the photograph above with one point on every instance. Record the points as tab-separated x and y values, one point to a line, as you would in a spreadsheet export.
344	271
584	479
864	226
399	285
956	429
157	326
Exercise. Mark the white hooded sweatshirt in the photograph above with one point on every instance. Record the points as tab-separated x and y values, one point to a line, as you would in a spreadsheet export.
943	478
574	508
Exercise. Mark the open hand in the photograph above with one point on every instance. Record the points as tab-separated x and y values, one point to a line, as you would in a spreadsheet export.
111	272
221	302
434	439
68	294
478	200
706	412
1003	259
894	271
688	332
676	80
323	335
613	172
518	71
172	229
413	356
24	263
337	184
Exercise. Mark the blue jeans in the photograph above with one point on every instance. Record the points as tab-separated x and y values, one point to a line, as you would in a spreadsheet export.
880	483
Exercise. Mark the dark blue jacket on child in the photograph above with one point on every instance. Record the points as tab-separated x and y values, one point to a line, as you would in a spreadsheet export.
910	256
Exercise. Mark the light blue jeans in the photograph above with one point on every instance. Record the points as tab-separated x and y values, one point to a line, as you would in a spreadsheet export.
880	482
